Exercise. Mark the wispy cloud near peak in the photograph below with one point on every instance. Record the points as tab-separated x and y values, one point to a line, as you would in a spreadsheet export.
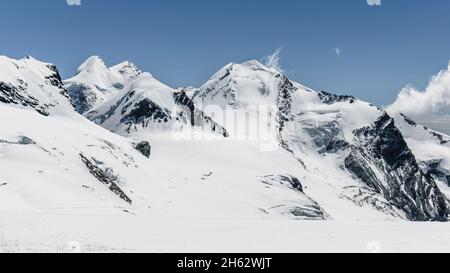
273	60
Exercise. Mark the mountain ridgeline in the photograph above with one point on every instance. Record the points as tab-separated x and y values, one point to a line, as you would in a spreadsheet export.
337	157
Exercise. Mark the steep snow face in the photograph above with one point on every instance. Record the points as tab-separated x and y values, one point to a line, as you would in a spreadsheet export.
305	120
323	131
28	83
95	82
249	86
240	86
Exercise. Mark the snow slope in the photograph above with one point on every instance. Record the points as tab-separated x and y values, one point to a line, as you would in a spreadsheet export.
73	233
46	171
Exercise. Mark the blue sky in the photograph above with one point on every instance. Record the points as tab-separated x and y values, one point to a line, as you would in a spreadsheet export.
183	42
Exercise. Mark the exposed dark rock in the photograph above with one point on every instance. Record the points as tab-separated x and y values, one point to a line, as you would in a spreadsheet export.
436	135
329	98
106	177
146	111
366	196
284	102
102	118
118	86
13	95
82	97
434	168
195	116
309	211
335	145
18	93
55	78
26	141
440	138
56	81
213	86
381	158
144	147
409	121
287	180
23	140
326	137
293	181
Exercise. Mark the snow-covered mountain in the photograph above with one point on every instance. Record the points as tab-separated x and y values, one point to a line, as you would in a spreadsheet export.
335	157
95	82
52	158
126	100
28	83
348	144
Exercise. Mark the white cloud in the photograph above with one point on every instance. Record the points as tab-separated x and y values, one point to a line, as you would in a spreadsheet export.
73	2
273	60
432	103
374	2
337	51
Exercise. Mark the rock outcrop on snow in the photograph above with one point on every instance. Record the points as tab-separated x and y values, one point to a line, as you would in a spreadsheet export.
145	148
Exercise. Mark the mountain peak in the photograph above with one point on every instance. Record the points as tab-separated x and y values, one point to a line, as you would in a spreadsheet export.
93	63
127	69
254	64
26	58
242	69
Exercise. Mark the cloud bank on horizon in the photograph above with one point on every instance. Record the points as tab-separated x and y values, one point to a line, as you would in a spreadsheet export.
433	102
